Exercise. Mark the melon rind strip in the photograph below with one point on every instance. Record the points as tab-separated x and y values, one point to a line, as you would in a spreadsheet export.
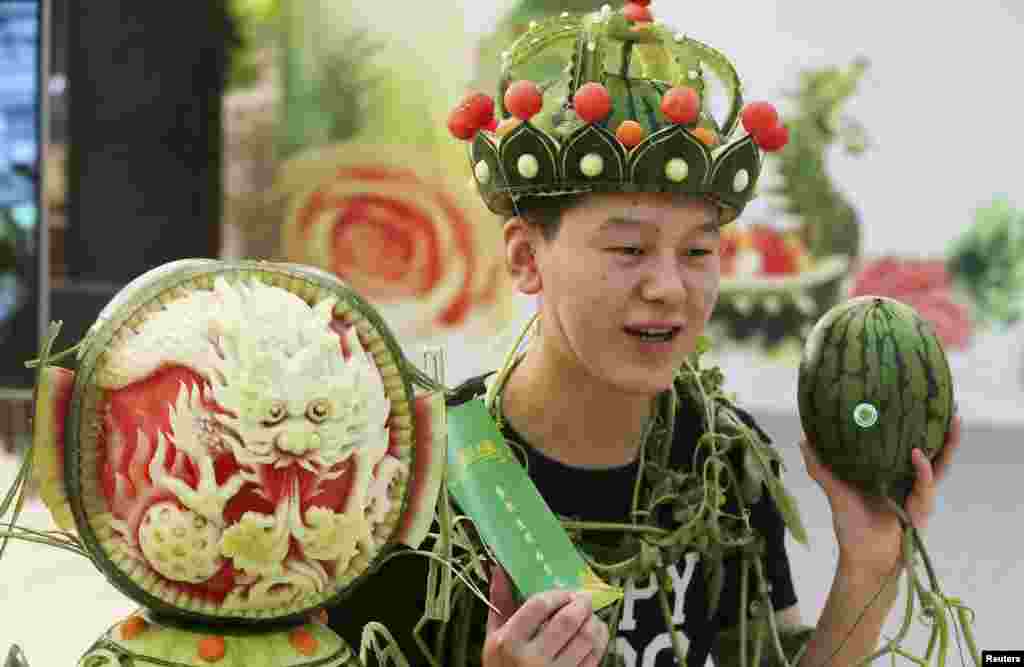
53	393
431	442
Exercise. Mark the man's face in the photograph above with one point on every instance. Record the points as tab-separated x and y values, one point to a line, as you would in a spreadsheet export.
628	285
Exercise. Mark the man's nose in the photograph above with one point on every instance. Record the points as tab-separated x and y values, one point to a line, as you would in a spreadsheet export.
665	282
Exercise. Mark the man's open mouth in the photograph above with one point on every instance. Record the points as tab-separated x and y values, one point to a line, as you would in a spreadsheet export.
654	335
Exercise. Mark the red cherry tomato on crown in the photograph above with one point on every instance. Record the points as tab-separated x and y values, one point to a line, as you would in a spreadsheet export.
681	105
592	102
523	99
636	12
759	116
773	138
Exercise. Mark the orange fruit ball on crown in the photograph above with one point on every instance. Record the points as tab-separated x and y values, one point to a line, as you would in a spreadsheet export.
707	137
630	133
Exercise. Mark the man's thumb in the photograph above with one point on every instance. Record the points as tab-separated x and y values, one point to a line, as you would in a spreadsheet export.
501	597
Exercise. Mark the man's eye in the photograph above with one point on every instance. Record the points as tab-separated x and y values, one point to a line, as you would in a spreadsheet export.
699	252
631	251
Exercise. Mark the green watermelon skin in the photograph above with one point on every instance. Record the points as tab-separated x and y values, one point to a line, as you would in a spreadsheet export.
878	352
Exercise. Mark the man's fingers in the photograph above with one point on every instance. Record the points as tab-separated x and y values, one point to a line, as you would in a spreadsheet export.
587	648
941	464
576	651
563	627
527	622
922	501
501	597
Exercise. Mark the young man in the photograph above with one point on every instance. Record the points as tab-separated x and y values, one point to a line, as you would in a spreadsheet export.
628	269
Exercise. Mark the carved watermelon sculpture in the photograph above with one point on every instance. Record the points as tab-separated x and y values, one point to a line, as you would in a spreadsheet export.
772	289
874	384
240	444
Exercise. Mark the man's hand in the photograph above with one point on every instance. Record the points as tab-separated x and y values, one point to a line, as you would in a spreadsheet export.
869	534
551	629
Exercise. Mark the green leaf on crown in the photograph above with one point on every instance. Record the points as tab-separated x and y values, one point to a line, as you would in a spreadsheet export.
529	158
490	180
490	176
590	142
650	161
735	174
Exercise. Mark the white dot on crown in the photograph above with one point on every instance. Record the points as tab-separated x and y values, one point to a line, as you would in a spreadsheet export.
528	166
565	14
483	172
742	180
592	165
676	170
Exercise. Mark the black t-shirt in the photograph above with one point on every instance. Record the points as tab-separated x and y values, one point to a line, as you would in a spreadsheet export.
394	596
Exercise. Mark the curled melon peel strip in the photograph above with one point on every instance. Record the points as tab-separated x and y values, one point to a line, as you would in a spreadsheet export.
42	461
53	397
429	456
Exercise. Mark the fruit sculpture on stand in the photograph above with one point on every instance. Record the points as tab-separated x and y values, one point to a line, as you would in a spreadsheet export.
874	384
239	445
781	274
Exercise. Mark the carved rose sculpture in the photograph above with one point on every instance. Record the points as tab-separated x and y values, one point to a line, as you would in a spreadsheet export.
394	227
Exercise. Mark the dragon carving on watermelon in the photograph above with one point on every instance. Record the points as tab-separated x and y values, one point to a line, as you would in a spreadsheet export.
262	411
238	445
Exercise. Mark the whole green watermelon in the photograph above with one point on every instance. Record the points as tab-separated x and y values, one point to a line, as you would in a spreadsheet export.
874	383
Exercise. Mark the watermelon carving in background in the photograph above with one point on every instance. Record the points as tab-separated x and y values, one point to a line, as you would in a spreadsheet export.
368	185
978	286
925	285
785	261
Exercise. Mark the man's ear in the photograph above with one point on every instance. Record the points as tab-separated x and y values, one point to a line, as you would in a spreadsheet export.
521	243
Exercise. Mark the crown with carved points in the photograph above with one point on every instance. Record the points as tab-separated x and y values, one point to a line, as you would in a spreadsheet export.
612	101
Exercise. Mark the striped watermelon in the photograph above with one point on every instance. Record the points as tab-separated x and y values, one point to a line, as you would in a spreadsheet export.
874	384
